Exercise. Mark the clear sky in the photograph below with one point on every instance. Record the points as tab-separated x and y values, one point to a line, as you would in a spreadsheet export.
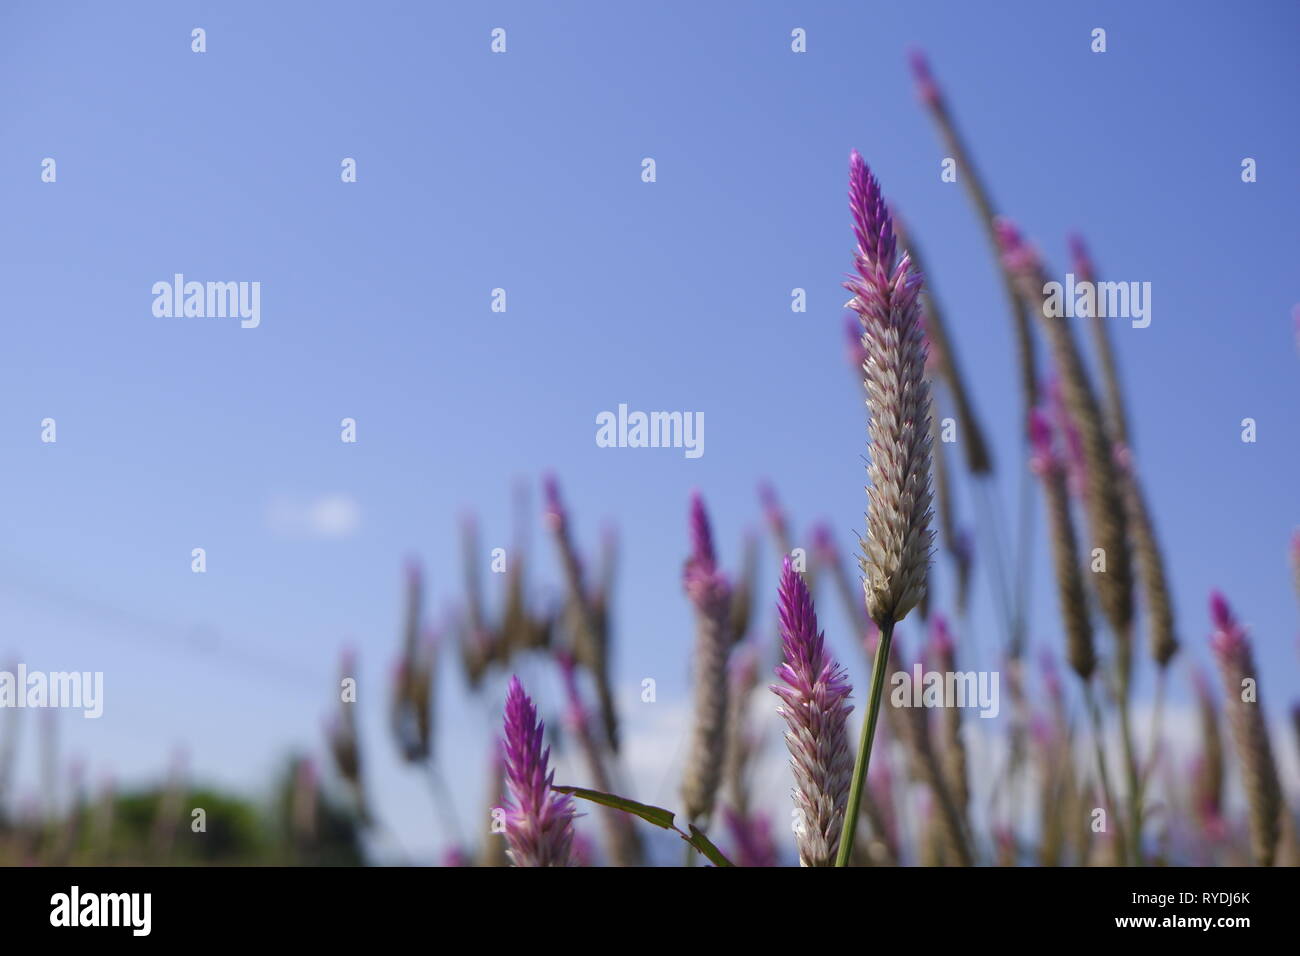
522	171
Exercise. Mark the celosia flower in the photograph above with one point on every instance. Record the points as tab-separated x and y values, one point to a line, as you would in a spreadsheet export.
710	592
774	514
896	550
927	89
1232	651
752	837
539	822
815	707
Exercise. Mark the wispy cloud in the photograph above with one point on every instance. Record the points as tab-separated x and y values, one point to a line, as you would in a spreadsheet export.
329	516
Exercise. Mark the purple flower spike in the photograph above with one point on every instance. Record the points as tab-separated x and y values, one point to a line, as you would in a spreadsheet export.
456	857
1236	662
1080	258
824	544
1018	255
539	823
815	706
1043	458
555	513
871	221
896	550
710	592
706	586
772	510
926	87
1228	633
701	534
1076	460
752	836
940	637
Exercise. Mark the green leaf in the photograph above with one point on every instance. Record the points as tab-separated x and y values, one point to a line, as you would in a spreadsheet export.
656	815
701	843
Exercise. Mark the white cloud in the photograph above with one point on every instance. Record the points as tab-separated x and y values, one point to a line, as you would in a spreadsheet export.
329	516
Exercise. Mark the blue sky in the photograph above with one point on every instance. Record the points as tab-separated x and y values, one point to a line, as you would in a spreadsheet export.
522	171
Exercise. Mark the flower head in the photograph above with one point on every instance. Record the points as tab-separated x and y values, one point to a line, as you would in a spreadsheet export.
1236	663
1080	258
823	544
555	515
1076	462
872	223
539	822
926	87
708	589
1043	458
941	642
814	702
896	550
1229	637
751	835
705	584
1017	254
773	511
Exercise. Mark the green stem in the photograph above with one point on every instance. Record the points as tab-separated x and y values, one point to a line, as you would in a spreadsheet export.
1157	719
1134	797
850	827
1094	714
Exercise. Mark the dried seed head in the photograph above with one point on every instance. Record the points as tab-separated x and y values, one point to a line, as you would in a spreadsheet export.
1047	464
1107	515
1151	567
